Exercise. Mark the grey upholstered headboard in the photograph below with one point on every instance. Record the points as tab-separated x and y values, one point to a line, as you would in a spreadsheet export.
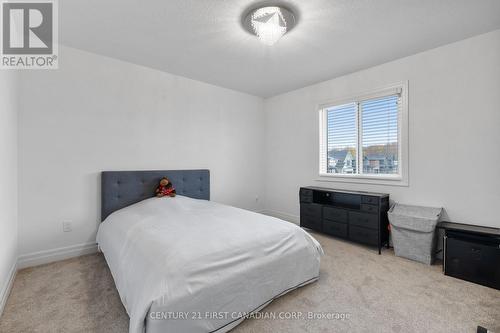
120	189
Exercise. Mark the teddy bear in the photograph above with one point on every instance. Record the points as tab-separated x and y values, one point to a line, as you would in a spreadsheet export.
165	188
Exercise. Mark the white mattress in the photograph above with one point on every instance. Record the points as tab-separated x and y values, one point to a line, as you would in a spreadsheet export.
173	258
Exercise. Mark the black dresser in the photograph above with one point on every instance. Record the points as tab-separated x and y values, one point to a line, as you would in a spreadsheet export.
353	215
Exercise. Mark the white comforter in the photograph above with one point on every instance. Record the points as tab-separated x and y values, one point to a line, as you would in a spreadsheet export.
187	265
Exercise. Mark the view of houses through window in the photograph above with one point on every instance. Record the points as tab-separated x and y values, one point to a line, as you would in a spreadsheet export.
366	130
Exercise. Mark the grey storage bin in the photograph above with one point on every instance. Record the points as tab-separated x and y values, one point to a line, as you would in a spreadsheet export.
412	230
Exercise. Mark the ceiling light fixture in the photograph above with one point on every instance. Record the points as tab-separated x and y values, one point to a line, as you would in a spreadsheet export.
270	23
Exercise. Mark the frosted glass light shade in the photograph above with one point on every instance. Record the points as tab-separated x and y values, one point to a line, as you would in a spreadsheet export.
269	24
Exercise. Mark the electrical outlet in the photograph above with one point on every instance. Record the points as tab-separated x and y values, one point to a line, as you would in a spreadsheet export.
67	226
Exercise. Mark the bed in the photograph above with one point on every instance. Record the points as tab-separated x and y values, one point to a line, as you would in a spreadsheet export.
187	264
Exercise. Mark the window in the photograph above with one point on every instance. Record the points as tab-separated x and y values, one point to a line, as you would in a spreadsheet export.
364	137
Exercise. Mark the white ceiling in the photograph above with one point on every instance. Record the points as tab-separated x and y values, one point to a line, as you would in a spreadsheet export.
204	40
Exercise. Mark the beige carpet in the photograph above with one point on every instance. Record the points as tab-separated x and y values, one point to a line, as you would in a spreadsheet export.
379	294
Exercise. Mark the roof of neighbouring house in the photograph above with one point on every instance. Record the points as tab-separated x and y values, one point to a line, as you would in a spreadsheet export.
379	157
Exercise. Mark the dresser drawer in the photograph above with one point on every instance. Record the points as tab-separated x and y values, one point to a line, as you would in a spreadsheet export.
310	222
369	200
306	195
335	214
369	208
312	210
334	228
363	220
363	235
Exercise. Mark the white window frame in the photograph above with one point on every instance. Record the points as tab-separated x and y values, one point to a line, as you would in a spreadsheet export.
400	179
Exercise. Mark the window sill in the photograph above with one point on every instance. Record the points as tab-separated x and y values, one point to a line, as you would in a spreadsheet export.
364	179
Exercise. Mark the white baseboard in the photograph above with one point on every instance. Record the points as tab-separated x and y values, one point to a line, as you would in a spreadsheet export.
284	216
48	256
5	292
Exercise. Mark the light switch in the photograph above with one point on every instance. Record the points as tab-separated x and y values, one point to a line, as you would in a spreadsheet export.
67	226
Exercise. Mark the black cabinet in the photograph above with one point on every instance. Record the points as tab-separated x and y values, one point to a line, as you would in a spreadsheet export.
357	216
472	253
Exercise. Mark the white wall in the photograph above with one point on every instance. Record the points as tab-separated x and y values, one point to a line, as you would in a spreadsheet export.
454	132
96	113
8	180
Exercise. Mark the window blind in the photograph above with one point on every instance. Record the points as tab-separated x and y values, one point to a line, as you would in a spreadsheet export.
342	137
361	137
379	135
